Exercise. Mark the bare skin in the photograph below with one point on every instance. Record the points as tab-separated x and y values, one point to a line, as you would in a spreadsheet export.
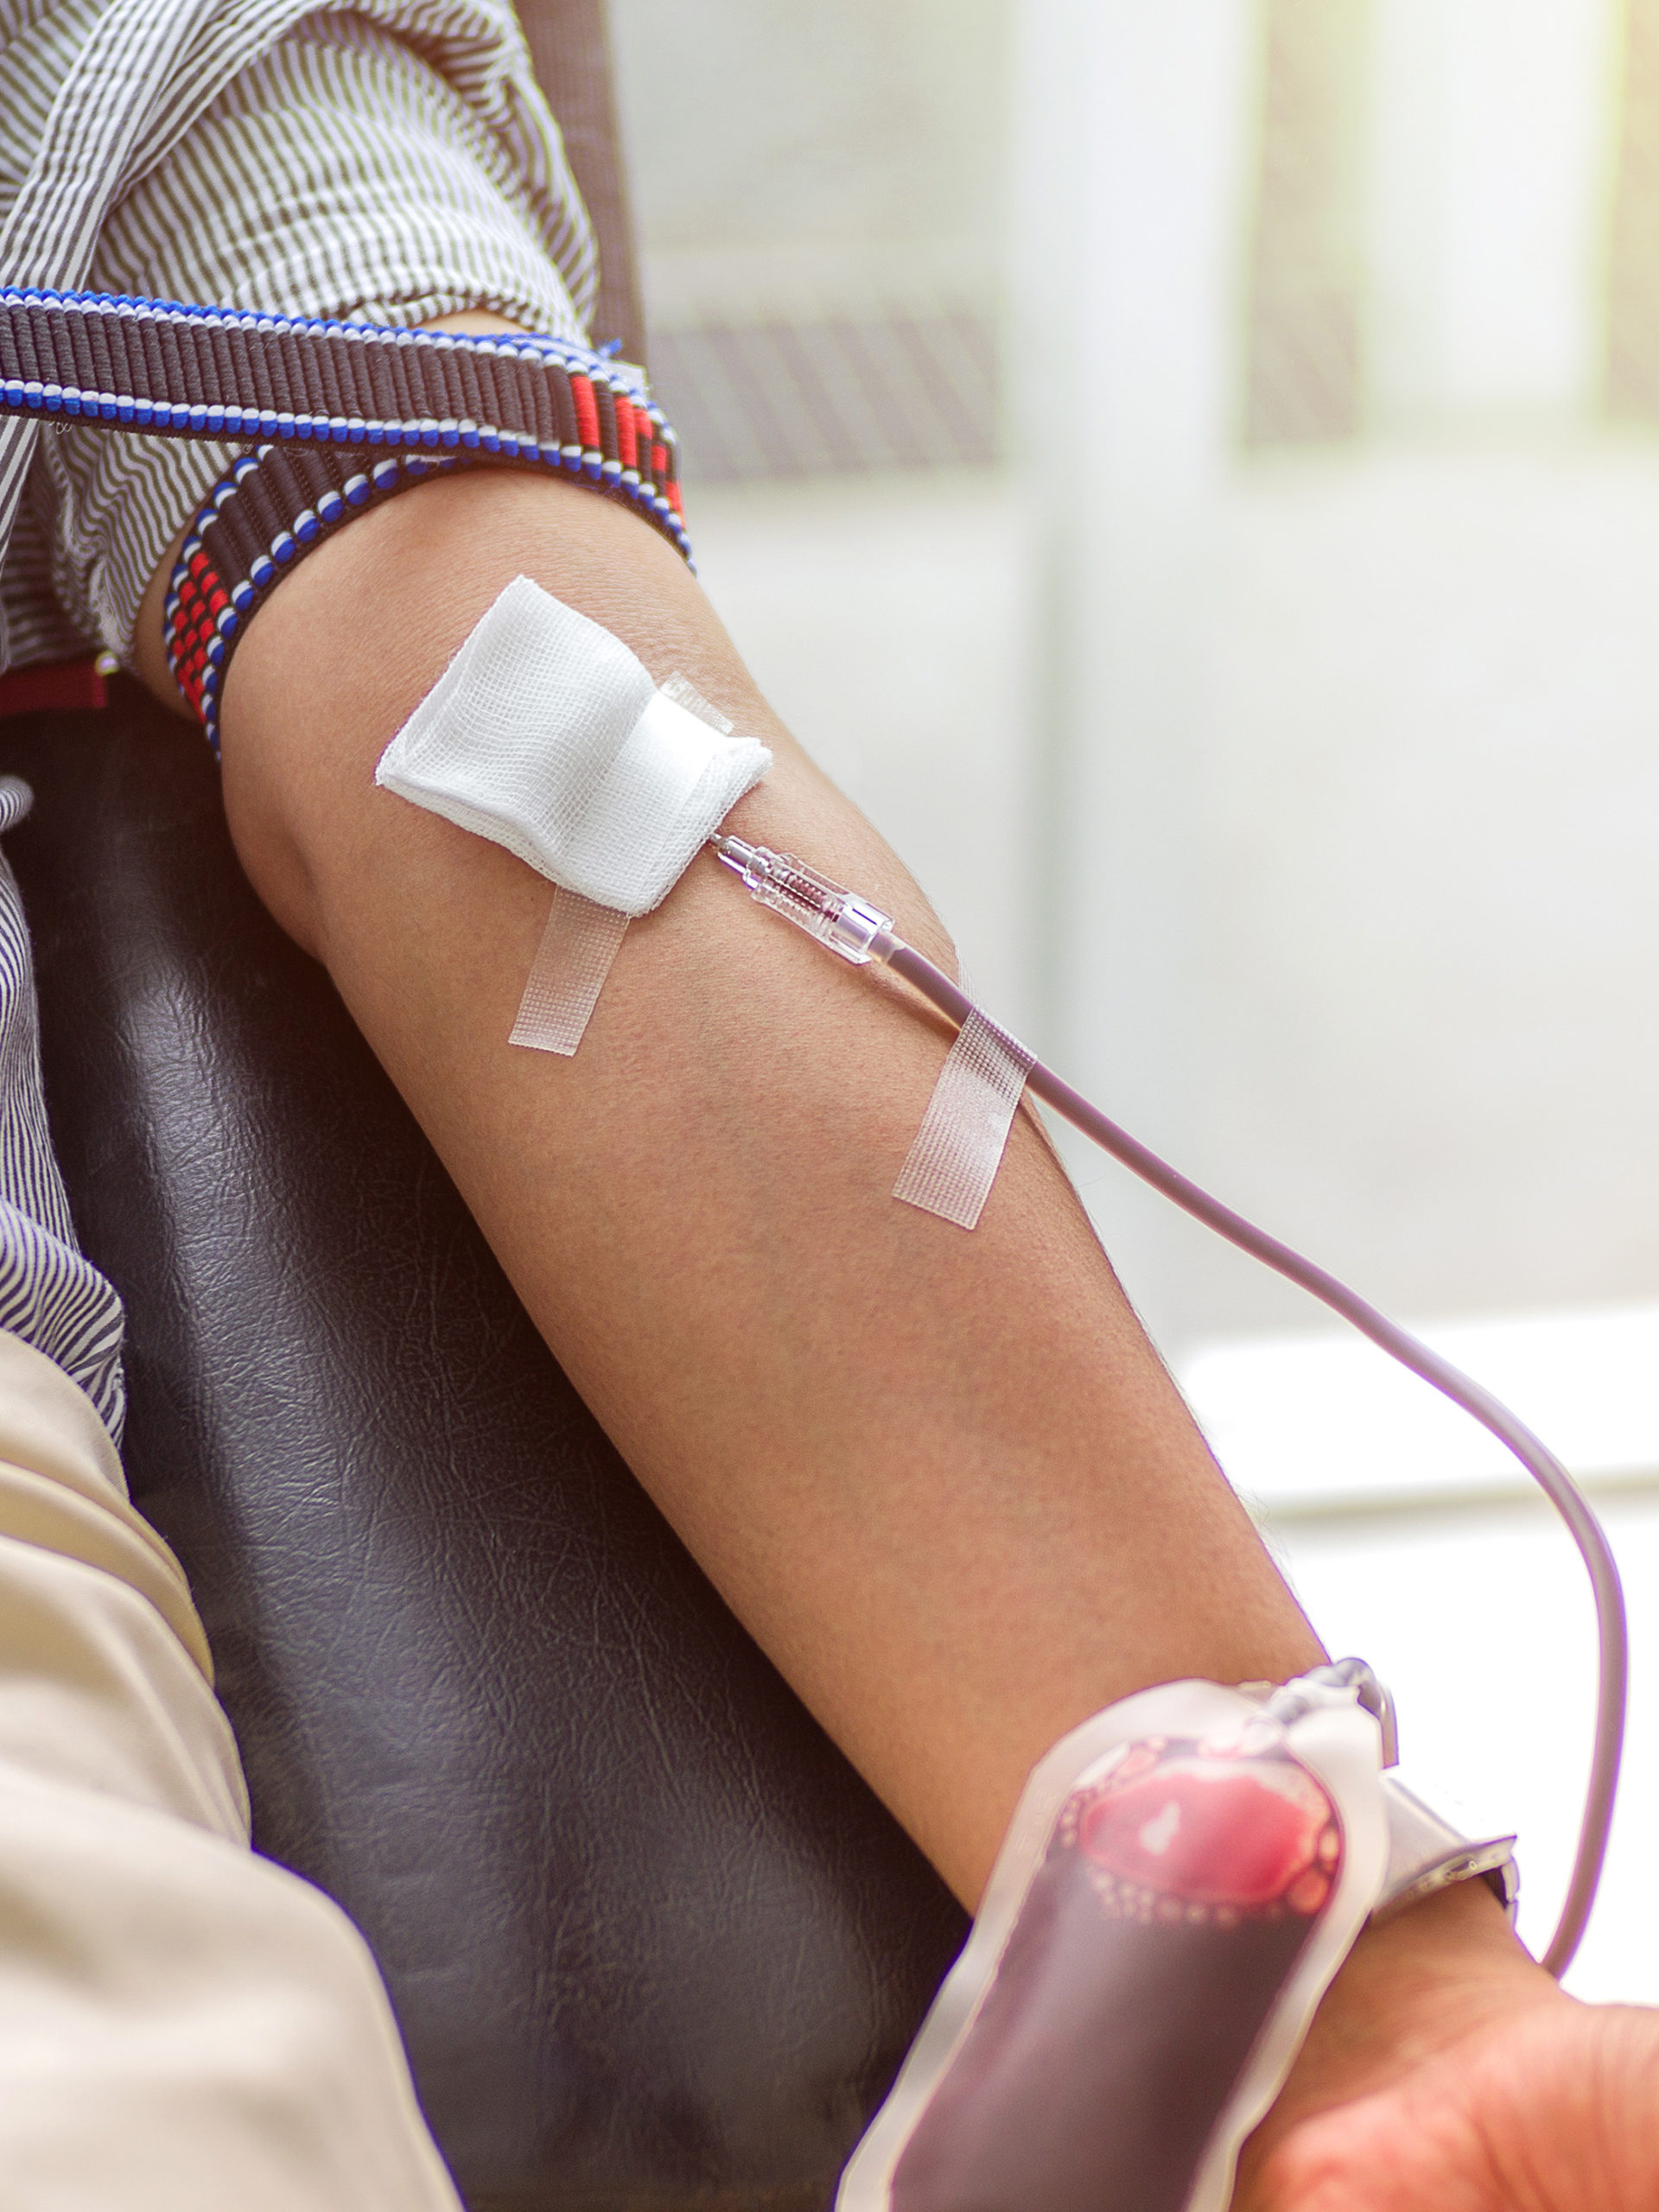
944	1479
1447	2073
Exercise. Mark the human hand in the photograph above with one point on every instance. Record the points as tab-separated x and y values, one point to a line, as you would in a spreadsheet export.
1446	2072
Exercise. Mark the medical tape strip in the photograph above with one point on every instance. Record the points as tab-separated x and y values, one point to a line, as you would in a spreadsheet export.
953	1163
567	974
684	692
548	736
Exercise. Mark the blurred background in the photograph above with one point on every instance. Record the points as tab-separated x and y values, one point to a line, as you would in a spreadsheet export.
1191	474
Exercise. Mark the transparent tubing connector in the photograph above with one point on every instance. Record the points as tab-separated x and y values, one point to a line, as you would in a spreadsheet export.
836	916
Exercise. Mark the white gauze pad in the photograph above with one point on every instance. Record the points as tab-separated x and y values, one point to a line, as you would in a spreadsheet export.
546	735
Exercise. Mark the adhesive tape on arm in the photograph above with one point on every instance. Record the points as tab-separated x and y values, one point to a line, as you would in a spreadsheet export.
546	735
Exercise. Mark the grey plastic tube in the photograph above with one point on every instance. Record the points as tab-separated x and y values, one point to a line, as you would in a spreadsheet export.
1540	1463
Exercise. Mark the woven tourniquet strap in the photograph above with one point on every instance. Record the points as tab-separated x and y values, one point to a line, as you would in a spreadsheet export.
255	526
354	411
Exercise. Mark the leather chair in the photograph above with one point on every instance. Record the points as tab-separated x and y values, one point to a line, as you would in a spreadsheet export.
652	1944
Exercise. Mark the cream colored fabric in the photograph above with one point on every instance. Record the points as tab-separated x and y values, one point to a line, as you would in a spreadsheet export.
183	2026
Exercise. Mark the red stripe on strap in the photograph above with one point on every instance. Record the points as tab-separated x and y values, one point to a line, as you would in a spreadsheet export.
587	412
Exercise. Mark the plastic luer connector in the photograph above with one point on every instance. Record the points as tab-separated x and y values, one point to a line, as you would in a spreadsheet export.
829	912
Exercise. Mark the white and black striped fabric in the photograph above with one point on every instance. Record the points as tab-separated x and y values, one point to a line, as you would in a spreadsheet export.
50	1294
390	161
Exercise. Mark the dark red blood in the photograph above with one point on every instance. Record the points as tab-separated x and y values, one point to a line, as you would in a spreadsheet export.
1212	1834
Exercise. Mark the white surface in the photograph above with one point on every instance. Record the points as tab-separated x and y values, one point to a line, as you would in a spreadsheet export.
1348	782
1311	1423
1491	138
803	161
